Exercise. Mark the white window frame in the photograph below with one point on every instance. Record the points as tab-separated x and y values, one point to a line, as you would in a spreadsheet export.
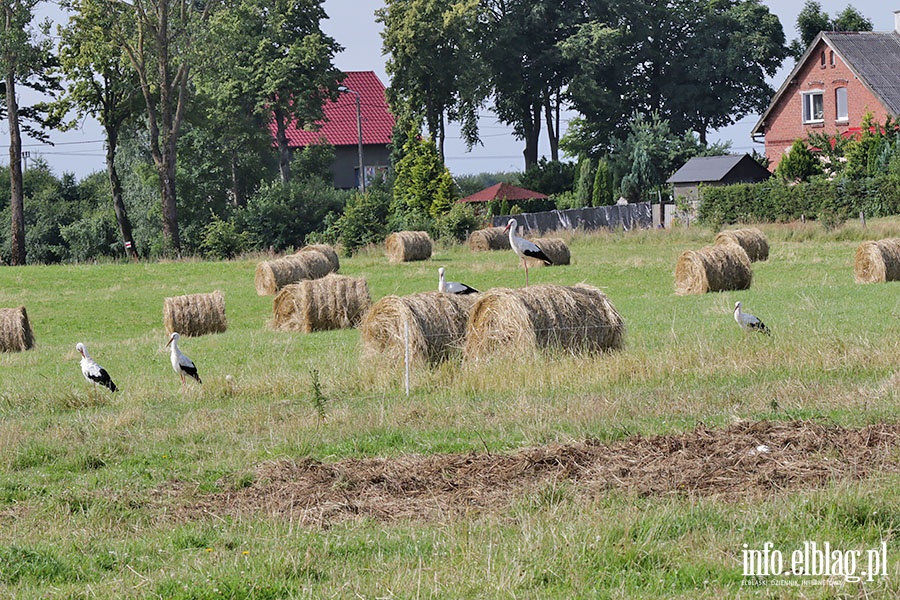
810	115
841	101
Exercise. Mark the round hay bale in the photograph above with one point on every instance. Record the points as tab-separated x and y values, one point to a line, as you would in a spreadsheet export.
752	240
329	252
15	330
485	240
556	250
272	275
195	314
513	321
877	261
332	302
437	326
406	246
713	269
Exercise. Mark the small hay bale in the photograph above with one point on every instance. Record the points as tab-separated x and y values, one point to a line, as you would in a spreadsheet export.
15	330
556	250
513	321
332	302
195	314
485	240
272	275
329	252
713	269
752	240
877	261
437	326
407	246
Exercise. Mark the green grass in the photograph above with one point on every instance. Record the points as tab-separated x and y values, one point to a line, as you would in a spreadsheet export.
84	476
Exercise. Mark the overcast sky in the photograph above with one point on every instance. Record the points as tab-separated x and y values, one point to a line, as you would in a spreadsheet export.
352	24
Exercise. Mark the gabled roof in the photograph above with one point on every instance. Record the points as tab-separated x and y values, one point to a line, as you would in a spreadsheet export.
339	126
709	169
873	57
503	191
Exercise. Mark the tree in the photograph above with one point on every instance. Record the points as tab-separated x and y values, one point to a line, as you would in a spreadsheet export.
812	19
603	185
101	84
798	164
423	186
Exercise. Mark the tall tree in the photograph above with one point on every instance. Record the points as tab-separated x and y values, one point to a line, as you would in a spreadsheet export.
101	84
812	19
28	60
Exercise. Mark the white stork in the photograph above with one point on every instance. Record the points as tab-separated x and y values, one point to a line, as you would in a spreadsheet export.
453	287
524	248
92	371
748	322
181	363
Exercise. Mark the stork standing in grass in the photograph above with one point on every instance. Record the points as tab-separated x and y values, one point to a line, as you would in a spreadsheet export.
453	287
748	322
92	371
524	248
181	363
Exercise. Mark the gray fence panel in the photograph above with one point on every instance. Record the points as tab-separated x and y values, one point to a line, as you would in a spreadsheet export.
617	217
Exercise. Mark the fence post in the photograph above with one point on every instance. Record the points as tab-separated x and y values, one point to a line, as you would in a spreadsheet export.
406	355
862	219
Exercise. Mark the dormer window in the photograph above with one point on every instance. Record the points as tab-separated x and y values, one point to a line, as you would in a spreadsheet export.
813	106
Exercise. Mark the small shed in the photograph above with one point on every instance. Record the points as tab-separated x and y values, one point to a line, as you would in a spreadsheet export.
715	170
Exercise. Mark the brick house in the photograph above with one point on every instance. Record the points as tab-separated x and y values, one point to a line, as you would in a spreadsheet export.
841	77
339	129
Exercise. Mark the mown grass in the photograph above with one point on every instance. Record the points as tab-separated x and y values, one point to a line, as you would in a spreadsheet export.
84	475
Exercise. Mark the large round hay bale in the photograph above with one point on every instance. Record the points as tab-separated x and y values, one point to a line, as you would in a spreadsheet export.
752	240
492	238
195	314
272	275
521	321
329	252
556	250
437	326
406	246
15	330
332	302
713	269
877	261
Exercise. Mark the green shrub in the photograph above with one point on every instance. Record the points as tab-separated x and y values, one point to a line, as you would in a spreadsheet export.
222	240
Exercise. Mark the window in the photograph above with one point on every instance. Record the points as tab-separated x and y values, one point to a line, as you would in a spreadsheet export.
840	102
831	57
813	107
823	59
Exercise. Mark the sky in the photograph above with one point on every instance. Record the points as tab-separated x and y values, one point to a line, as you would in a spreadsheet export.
352	24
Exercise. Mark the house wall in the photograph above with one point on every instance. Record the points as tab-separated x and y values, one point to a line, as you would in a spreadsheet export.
346	163
785	122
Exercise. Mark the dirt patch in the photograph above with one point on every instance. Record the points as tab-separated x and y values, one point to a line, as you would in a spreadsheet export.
741	461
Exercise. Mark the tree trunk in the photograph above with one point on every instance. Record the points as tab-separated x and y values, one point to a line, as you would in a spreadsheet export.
532	135
115	187
551	116
284	152
169	197
17	194
236	199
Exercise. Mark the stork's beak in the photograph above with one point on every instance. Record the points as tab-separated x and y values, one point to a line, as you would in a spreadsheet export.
169	342
505	229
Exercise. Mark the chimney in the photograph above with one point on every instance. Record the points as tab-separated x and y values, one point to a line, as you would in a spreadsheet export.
897	21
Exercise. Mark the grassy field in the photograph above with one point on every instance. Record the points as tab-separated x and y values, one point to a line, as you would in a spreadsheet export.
127	495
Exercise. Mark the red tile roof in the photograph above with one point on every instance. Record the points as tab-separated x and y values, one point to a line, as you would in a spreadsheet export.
339	126
503	191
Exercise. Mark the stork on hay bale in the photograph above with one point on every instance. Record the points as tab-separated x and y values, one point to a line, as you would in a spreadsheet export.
713	269
329	252
437	326
752	240
877	261
485	240
15	330
512	322
408	246
556	250
272	275
332	302
195	314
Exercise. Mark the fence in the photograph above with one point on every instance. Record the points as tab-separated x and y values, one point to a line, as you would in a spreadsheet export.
618	217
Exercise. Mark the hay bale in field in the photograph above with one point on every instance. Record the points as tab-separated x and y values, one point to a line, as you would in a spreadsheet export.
556	250
15	330
512	321
406	246
195	314
752	240
877	261
272	275
332	302
492	238
713	269
437	326
329	252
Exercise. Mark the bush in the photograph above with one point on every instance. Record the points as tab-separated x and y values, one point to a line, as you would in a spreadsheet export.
458	223
365	220
222	240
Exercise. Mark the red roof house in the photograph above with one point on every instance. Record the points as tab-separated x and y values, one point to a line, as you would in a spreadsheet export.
339	129
503	191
